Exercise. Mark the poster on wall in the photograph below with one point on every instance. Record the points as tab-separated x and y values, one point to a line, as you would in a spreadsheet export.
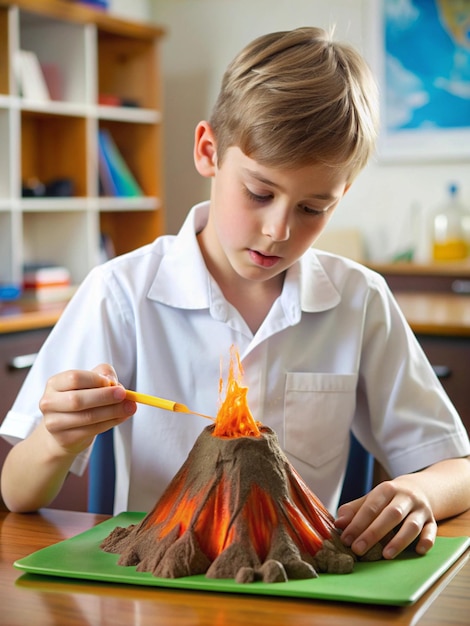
421	55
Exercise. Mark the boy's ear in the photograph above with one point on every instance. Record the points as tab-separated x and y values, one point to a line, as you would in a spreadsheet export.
205	154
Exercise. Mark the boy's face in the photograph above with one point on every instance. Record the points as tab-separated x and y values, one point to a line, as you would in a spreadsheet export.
262	219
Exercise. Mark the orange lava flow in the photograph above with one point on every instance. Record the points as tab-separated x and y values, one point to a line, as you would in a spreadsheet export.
234	418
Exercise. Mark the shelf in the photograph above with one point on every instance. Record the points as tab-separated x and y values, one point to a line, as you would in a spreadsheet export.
81	14
71	243
49	146
129	114
128	234
145	203
54	147
436	268
34	205
54	108
124	67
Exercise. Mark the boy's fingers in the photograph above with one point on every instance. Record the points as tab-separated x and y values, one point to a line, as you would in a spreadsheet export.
347	511
412	529
368	517
85	399
70	380
107	371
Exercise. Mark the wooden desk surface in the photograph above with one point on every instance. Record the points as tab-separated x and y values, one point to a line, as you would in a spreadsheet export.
436	313
427	313
433	268
26	598
19	316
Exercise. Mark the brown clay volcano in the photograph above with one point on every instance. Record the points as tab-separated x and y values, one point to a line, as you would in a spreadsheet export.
235	509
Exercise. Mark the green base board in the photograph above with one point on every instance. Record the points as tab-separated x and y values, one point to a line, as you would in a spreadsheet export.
399	582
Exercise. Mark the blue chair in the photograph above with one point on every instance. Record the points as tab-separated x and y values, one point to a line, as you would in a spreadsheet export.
358	481
101	475
359	472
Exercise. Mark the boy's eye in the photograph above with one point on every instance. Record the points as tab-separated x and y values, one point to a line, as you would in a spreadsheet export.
311	211
257	197
262	198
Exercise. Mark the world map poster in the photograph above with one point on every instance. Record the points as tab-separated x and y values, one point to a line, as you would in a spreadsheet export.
426	77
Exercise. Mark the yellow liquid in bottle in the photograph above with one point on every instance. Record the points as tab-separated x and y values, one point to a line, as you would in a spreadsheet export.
451	250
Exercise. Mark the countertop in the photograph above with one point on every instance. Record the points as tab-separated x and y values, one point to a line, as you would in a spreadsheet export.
45	600
427	313
21	316
436	268
436	313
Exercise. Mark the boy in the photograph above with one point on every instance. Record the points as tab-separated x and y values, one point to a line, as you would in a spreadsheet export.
324	347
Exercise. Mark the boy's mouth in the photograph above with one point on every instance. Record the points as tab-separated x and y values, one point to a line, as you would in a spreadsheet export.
263	260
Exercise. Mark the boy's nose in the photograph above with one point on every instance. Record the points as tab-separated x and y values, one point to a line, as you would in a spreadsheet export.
277	226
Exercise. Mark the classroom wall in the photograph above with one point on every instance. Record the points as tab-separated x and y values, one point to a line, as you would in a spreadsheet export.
132	9
203	36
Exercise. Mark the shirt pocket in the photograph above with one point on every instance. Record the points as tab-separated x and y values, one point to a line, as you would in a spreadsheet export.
318	412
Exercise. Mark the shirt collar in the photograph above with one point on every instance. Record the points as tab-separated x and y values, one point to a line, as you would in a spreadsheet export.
318	292
182	279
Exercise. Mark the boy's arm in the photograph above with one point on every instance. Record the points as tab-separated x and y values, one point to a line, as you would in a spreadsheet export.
410	503
34	471
77	405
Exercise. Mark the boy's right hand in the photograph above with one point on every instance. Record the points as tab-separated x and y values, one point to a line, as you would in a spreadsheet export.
78	404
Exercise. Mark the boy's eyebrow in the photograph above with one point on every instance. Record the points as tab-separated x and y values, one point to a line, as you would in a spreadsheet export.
267	181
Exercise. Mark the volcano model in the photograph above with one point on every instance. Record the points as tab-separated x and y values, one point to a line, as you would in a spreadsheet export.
236	509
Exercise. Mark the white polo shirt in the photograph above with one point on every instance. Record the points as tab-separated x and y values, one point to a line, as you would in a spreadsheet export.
333	354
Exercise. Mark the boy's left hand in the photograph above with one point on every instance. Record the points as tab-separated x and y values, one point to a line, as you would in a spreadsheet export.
395	506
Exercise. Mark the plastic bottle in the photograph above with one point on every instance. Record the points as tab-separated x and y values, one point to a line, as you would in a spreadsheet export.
451	229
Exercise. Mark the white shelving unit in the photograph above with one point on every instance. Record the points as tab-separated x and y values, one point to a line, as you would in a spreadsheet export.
90	53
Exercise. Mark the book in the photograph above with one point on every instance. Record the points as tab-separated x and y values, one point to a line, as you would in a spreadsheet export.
42	275
54	80
9	291
44	282
107	185
49	293
114	166
98	4
30	77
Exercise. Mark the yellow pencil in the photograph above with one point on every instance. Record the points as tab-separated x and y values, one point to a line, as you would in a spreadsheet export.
161	403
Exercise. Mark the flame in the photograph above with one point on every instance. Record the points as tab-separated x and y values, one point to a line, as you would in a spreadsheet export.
234	418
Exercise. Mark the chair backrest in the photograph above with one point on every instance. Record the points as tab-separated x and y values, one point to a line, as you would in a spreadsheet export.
359	472
358	480
101	475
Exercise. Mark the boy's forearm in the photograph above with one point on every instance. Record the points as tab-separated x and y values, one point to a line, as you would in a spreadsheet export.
33	473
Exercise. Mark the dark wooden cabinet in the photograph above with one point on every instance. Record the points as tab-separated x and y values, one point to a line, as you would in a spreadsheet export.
435	300
17	350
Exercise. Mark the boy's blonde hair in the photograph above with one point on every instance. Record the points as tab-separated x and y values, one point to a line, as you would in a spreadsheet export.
295	98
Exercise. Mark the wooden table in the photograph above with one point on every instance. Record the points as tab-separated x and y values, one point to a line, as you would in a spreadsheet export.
19	316
31	599
441	314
